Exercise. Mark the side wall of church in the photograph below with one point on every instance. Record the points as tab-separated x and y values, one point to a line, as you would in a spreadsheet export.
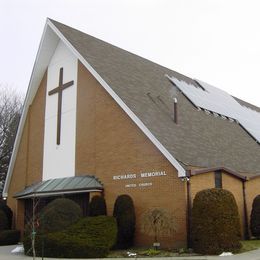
109	144
235	186
28	164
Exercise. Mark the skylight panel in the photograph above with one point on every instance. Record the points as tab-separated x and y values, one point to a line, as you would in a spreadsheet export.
217	101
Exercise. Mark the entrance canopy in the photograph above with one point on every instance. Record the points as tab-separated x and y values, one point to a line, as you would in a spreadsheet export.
60	186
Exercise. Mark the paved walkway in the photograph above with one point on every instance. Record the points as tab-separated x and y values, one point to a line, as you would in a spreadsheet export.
5	254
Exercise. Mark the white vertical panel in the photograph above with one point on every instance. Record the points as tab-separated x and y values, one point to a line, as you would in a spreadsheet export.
59	160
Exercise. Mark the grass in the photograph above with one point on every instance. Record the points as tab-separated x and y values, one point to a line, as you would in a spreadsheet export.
149	252
248	245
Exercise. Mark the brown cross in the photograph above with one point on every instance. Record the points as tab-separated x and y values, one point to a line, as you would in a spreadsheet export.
59	90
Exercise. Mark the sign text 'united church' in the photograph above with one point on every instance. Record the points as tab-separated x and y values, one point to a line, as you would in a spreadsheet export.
139	175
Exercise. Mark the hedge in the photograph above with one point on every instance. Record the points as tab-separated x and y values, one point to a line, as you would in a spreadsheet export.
97	206
91	237
215	222
8	212
59	214
124	213
3	221
9	237
255	217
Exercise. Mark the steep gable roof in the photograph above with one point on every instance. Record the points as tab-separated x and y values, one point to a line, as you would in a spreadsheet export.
198	139
143	91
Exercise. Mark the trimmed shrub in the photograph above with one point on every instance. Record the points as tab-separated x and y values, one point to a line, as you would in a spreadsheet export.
97	206
124	213
215	222
91	237
56	216
255	217
9	237
61	245
59	214
8	212
3	221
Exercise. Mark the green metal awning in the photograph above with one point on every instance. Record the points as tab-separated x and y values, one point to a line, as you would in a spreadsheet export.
60	186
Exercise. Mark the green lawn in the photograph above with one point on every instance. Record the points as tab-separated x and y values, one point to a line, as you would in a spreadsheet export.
248	245
149	252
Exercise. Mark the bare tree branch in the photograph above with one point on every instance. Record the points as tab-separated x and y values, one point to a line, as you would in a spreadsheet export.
10	113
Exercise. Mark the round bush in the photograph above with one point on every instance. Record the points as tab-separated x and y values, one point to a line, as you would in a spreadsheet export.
8	212
124	213
90	237
9	237
59	214
97	206
3	221
215	222
255	217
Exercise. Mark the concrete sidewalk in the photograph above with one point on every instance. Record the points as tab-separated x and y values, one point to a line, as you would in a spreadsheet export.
5	254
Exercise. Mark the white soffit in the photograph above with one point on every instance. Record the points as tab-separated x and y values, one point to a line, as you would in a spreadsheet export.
210	98
48	44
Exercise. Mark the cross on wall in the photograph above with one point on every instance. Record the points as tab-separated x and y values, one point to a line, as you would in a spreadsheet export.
59	90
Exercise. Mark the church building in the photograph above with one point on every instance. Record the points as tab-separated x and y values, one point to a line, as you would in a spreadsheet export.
100	120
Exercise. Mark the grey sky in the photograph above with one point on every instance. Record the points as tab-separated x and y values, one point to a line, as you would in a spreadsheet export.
217	41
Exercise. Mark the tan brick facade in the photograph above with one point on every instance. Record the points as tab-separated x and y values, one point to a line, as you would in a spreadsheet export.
235	186
109	143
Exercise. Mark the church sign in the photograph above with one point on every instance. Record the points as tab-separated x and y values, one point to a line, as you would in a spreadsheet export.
139	176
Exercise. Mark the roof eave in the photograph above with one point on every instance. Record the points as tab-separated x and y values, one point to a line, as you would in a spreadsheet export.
225	169
57	193
46	48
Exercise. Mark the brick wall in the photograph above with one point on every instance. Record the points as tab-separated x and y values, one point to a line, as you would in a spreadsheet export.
109	143
235	186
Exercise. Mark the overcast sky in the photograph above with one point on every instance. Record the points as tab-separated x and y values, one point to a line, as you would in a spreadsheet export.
217	41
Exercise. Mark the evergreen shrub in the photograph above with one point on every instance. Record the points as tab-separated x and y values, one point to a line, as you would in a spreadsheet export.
9	237
255	217
8	212
124	213
97	206
90	237
59	214
3	221
215	222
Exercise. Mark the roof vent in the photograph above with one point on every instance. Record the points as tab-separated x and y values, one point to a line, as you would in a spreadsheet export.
175	110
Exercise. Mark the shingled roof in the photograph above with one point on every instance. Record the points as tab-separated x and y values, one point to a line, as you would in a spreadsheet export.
198	139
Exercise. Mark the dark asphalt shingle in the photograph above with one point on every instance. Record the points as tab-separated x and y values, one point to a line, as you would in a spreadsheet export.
199	139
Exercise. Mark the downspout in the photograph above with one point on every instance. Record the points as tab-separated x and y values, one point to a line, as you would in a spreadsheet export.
189	243
246	233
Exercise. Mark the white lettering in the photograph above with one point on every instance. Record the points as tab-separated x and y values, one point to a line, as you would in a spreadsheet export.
152	174
145	184
124	177
132	185
141	175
